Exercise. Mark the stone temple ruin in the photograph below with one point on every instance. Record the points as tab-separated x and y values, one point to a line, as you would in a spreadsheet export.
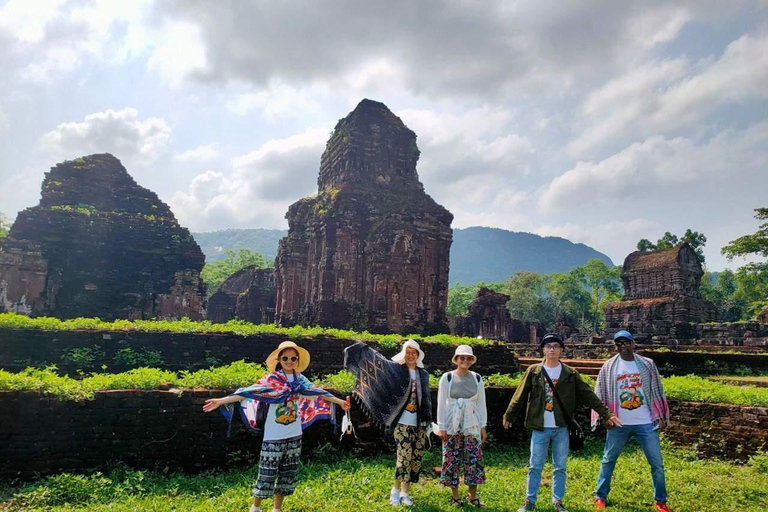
370	250
661	295
488	317
248	294
100	245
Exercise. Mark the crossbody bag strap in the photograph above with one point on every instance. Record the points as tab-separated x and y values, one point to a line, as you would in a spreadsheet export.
554	393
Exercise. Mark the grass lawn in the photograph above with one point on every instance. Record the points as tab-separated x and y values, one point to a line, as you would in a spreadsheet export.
351	484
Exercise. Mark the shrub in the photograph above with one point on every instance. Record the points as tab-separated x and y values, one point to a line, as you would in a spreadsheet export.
140	357
82	357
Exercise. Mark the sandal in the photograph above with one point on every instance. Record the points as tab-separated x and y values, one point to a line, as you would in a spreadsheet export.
476	502
456	502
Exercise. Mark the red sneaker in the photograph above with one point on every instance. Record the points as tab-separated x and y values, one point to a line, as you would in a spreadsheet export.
661	506
599	504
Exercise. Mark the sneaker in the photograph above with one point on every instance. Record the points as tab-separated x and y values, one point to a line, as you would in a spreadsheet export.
599	504
254	508
405	500
559	507
527	506
661	506
394	497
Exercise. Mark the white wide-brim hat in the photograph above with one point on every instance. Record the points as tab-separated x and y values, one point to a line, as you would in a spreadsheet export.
272	359
400	356
464	350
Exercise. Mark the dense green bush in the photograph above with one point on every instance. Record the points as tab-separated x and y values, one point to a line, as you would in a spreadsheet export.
239	374
239	327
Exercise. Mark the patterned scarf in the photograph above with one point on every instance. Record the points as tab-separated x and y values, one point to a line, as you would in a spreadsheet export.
383	386
608	392
275	388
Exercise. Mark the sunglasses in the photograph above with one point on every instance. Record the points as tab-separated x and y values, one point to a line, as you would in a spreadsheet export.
292	359
464	358
622	341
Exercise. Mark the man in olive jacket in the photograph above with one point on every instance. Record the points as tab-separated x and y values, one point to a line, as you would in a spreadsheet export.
545	417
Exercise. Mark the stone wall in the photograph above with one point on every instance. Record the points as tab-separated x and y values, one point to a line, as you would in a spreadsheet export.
20	348
248	294
163	430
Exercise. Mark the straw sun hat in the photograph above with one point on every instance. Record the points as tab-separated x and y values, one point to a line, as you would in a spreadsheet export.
302	364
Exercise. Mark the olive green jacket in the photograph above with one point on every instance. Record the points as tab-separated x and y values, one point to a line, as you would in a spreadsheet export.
530	396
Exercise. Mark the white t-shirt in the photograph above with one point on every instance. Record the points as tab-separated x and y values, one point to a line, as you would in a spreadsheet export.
409	416
633	404
283	420
549	397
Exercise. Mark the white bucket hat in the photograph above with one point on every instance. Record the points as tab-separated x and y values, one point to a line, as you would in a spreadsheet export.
463	350
400	356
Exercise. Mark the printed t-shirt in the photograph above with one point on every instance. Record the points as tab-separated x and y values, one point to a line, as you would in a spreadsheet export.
549	397
283	420
633	406
409	414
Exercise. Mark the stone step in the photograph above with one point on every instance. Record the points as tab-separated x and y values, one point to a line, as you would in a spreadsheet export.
584	367
582	363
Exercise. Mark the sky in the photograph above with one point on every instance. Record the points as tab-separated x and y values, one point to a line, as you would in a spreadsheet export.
602	122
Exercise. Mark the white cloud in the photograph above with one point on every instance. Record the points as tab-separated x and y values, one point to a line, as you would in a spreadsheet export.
178	52
614	238
276	100
198	154
258	189
120	132
660	165
662	96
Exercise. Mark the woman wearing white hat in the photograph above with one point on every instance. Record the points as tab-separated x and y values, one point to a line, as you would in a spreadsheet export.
396	394
293	403
461	421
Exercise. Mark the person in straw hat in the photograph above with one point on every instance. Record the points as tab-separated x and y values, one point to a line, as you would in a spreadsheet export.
461	420
293	404
396	394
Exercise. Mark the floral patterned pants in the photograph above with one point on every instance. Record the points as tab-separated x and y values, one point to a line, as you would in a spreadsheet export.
411	444
460	450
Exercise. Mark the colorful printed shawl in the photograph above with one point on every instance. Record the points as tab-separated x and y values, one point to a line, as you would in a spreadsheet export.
383	386
275	388
608	392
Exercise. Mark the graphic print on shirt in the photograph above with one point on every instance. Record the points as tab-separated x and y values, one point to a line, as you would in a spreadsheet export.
286	413
412	405
549	397
630	390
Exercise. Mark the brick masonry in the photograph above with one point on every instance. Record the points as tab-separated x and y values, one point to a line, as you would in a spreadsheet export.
162	430
187	351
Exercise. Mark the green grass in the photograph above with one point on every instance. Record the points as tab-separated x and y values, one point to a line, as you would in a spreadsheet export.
239	327
239	374
343	483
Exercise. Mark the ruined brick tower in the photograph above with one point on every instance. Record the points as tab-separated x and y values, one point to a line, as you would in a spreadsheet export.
100	245
370	250
661	294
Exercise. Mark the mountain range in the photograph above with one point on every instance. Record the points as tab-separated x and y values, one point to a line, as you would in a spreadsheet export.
477	254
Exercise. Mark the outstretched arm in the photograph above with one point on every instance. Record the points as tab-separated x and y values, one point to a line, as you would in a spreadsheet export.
214	403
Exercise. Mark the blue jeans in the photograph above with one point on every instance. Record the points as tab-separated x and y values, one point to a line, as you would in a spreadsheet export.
648	438
539	449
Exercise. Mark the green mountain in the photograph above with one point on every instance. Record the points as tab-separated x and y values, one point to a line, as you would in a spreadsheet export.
491	255
262	241
477	254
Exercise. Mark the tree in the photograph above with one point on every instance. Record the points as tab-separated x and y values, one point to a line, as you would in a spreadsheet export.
5	225
604	286
752	278
214	274
459	297
568	295
669	241
724	294
528	299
